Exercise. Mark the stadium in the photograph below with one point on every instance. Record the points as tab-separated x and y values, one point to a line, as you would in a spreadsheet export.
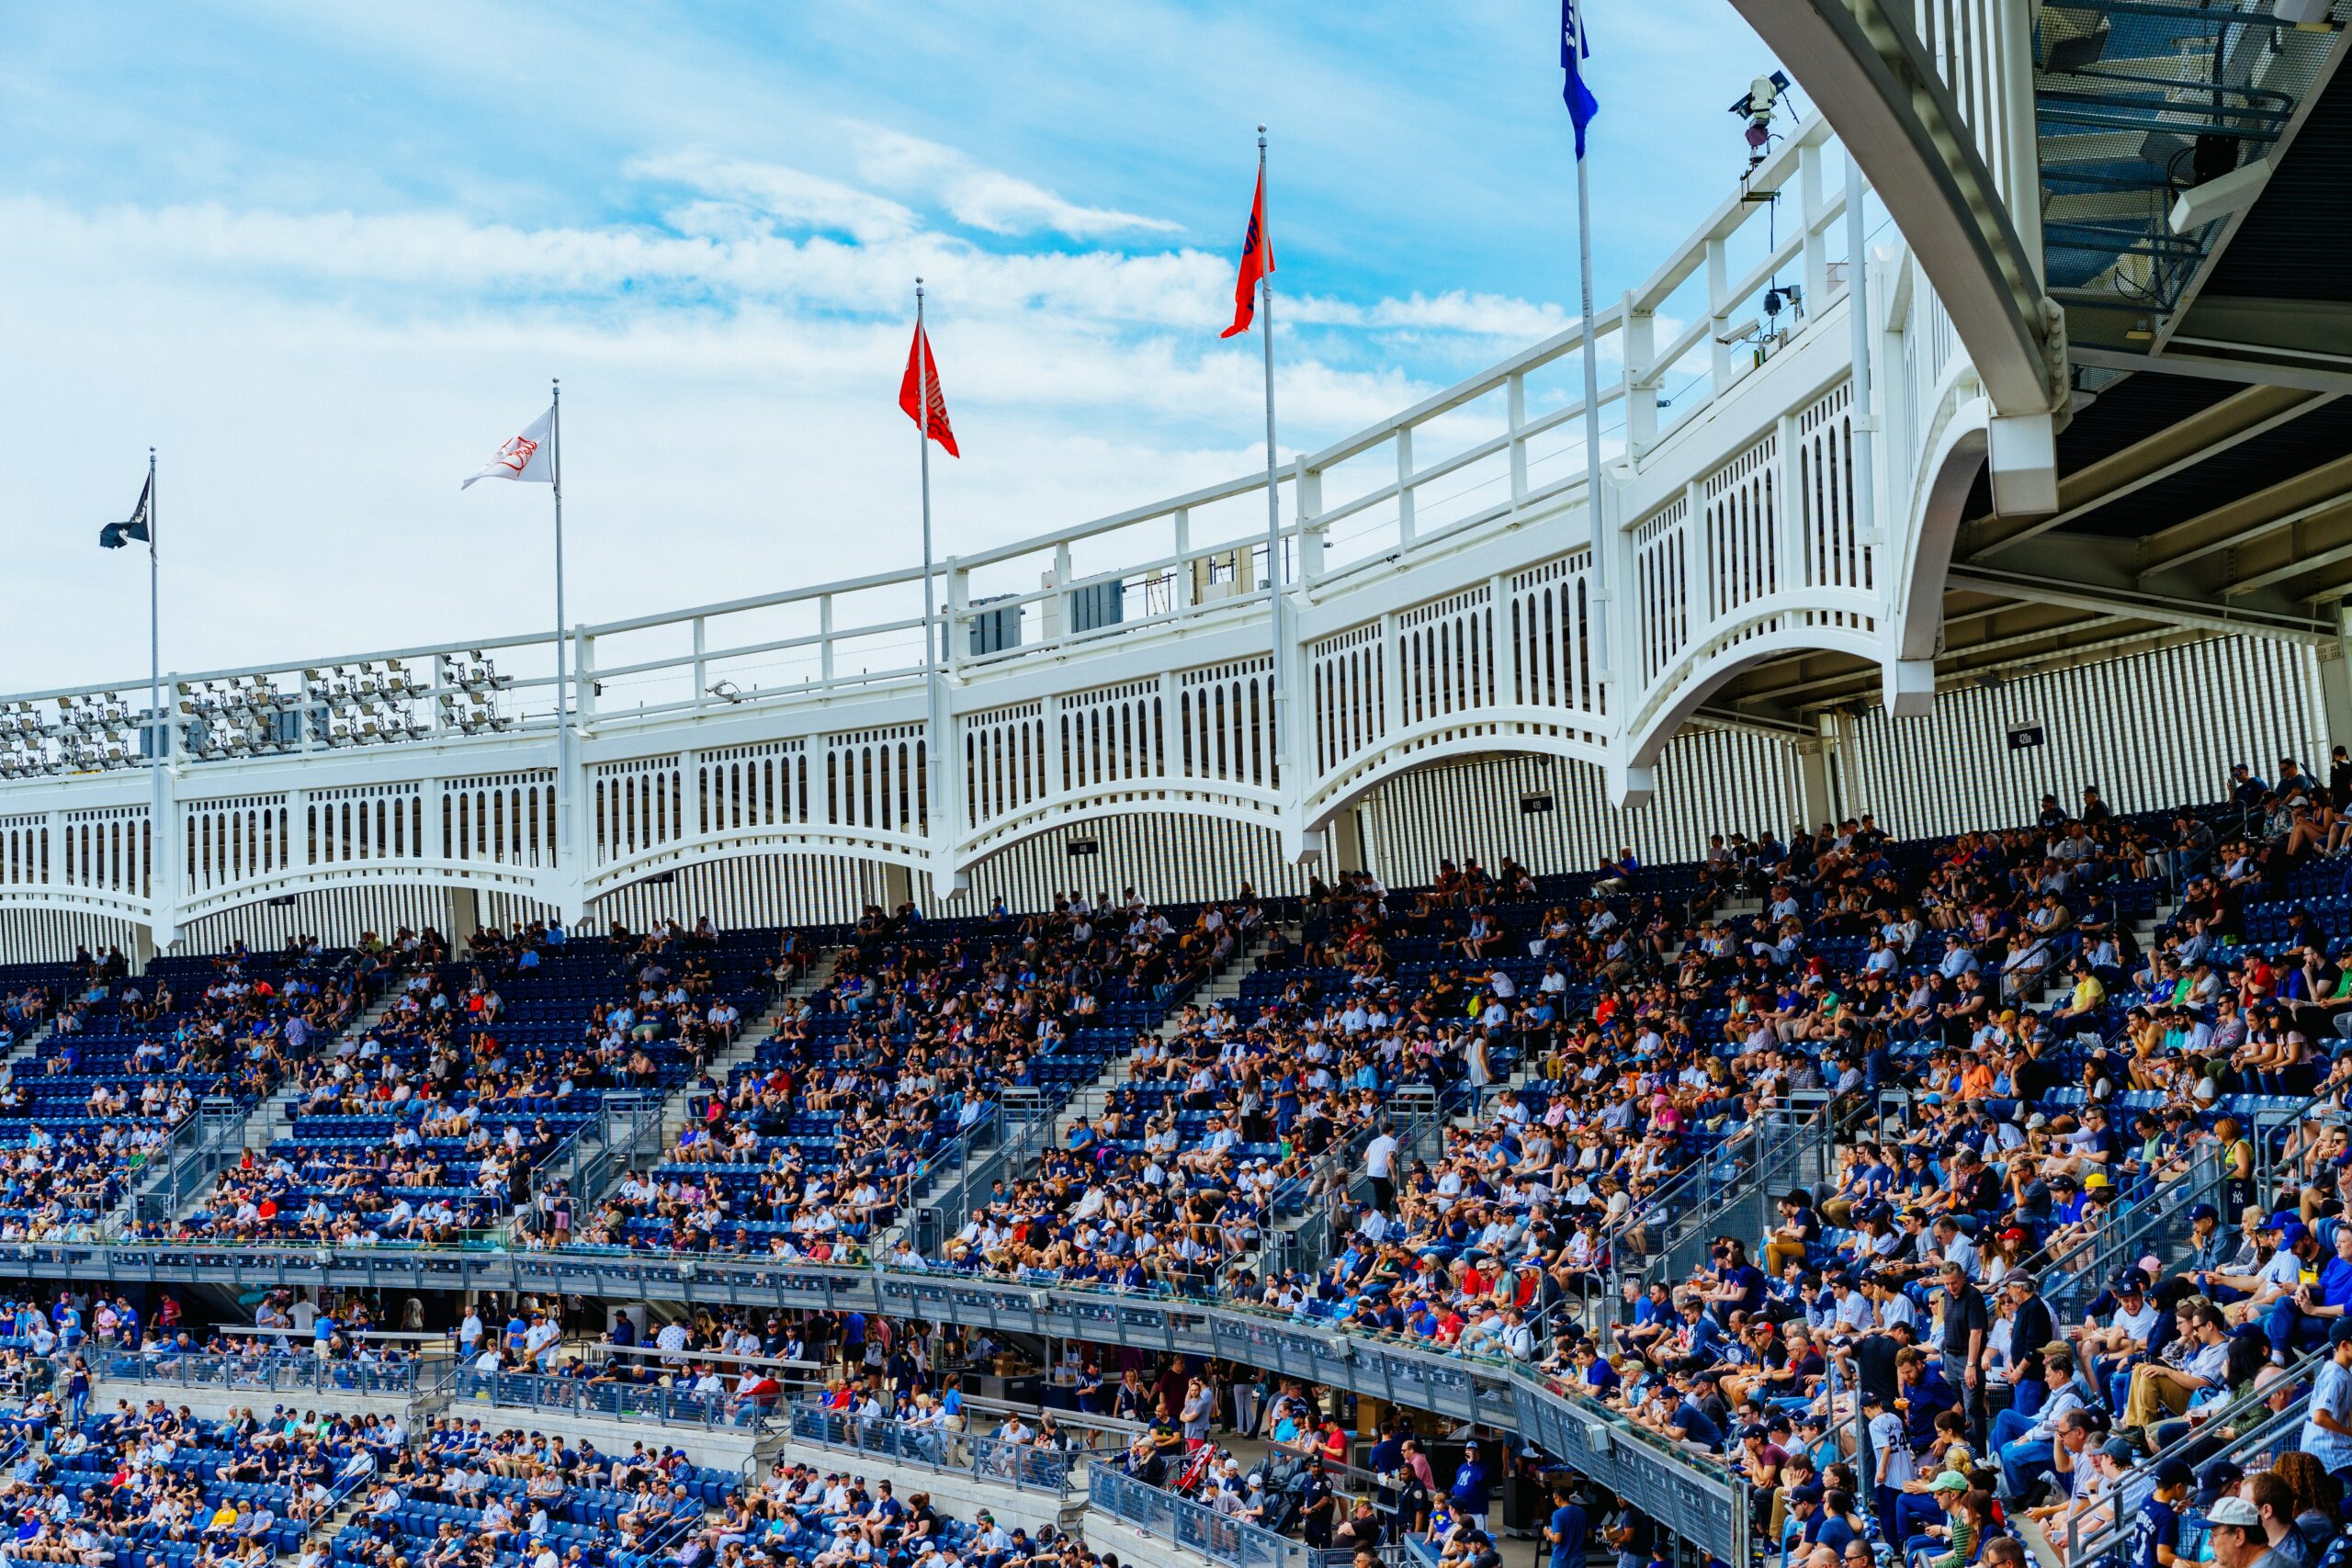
1727	942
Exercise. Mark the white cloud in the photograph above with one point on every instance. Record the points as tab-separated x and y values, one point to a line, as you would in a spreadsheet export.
986	198
324	375
793	198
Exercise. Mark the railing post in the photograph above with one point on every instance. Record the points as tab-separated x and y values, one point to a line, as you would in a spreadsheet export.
1718	315
1306	487
825	639
1515	410
959	609
1640	388
702	670
1182	598
583	679
1055	619
1404	485
1816	239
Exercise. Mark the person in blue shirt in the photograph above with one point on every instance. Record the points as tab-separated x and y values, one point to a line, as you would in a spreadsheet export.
1472	1488
2302	1318
1569	1530
2156	1528
1693	1424
2327	1425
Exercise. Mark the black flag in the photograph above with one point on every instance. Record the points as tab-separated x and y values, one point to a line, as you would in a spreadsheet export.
114	535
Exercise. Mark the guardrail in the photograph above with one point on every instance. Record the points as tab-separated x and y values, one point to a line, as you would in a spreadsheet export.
616	1401
1220	1538
1336	1180
199	1146
1012	1132
1024	1466
1697	1494
626	1131
1489	450
2082	1271
277	1373
1729	1191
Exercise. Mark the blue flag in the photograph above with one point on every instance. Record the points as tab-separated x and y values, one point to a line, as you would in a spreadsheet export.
1574	52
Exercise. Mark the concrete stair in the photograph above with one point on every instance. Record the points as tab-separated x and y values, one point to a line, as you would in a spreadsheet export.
679	1110
1091	1099
273	1118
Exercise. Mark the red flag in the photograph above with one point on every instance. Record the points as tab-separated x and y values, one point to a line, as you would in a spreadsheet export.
920	367
1256	260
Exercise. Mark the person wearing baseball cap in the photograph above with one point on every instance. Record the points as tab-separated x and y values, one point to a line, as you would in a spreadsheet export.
2239	1540
2155	1531
2327	1426
2301	1317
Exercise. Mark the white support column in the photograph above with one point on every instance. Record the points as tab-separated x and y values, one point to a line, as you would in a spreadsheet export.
170	891
1506	645
1629	785
952	826
1182	598
825	639
1788	511
960	610
1345	837
465	916
1697	581
1056	754
1392	678
567	887
1294	736
1813	773
897	887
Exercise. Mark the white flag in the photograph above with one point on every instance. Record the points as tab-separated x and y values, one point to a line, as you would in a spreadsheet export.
525	457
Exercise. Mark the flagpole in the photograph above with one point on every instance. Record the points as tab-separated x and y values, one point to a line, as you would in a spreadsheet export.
923	443
1599	569
936	814
159	730
1274	501
562	684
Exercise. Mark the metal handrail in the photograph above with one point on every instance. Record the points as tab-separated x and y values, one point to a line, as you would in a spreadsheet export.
1220	1538
582	1396
1026	1467
2126	1228
2264	1434
1781	1142
274	1372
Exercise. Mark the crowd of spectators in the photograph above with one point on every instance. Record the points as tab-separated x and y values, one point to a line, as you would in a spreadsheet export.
123	1061
436	1120
814	1149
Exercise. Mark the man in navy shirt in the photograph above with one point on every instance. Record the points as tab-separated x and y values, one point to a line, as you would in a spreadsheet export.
1691	1424
1471	1487
1568	1531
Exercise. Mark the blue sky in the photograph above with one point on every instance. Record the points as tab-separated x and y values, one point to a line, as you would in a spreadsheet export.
326	257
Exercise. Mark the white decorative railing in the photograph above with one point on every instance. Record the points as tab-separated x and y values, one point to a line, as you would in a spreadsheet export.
1440	570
